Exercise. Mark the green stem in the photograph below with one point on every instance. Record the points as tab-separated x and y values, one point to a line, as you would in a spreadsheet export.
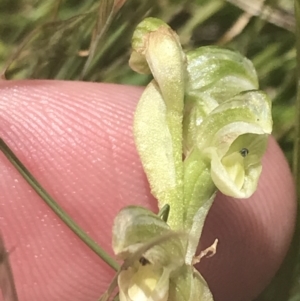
54	205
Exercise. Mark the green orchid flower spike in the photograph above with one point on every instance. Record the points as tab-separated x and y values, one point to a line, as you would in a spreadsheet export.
200	126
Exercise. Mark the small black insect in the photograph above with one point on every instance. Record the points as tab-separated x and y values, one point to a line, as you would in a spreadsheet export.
244	152
143	261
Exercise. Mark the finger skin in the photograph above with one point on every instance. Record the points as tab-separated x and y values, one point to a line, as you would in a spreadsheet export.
76	139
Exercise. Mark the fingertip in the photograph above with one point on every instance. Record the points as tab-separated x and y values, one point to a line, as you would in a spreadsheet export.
76	139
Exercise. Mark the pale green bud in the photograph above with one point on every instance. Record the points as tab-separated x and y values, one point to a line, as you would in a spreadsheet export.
155	44
137	61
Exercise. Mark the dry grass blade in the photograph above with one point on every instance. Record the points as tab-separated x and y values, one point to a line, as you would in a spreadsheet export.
105	17
7	284
17	53
277	17
236	29
53	41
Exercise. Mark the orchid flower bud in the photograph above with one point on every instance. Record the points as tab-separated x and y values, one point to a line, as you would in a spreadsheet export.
156	47
137	61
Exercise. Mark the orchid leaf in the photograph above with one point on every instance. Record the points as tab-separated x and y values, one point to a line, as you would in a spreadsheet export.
158	118
155	146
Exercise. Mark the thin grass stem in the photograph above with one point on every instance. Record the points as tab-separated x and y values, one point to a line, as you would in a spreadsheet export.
55	206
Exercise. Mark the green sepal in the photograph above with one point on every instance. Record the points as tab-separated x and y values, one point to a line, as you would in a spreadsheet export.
196	228
134	227
186	284
200	289
214	75
247	112
219	73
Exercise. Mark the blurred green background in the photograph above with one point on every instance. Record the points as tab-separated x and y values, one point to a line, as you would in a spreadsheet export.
52	39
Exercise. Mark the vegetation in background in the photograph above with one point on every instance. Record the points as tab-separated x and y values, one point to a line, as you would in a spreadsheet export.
53	40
